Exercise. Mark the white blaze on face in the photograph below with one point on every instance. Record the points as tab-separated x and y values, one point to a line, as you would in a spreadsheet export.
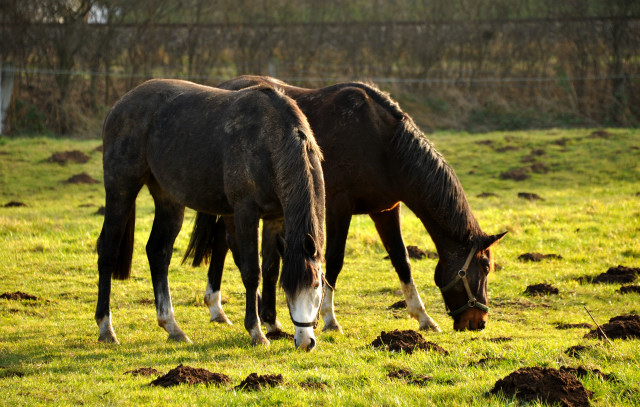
304	310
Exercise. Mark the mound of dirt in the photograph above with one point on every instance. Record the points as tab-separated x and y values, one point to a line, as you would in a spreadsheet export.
620	274
620	327
583	372
600	134
14	204
541	289
538	257
576	351
256	382
143	371
487	195
18	295
82	178
190	375
402	304
313	384
416	253
627	289
530	196
572	326
518	174
548	385
486	361
277	335
74	155
100	211
403	374
406	341
540	168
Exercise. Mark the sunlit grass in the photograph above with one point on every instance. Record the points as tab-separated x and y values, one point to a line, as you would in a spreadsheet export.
590	215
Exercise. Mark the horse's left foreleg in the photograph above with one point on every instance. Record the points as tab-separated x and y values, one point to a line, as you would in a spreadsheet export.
166	226
213	295
388	227
246	221
270	272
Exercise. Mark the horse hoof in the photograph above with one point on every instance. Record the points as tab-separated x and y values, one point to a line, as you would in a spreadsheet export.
181	337
108	338
431	328
261	341
334	327
221	319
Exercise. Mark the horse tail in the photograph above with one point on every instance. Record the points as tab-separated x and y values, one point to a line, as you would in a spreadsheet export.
200	245
122	268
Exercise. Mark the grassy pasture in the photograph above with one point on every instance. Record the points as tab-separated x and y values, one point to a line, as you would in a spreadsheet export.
590	215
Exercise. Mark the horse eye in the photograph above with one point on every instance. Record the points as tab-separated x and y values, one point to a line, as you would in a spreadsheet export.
486	264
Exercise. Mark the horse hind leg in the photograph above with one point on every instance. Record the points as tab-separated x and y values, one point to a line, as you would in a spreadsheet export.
219	249
388	226
166	226
115	249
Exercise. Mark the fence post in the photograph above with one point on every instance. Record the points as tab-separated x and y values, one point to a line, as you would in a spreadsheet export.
6	87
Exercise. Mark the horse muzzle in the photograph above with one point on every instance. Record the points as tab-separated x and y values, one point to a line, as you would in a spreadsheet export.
473	319
304	339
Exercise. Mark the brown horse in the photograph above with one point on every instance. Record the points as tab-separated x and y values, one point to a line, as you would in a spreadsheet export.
375	158
249	153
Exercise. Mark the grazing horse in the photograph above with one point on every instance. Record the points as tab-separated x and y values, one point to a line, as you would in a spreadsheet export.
248	153
375	158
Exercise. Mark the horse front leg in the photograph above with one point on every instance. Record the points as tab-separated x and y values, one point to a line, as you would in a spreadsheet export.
338	220
166	226
219	249
245	250
270	271
388	226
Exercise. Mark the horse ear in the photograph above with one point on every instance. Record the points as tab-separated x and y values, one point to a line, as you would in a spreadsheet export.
489	241
281	245
309	246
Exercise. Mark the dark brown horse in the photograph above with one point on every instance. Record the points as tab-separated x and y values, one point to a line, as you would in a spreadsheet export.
249	153
375	158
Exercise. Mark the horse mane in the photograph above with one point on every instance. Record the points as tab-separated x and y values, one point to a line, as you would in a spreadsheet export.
434	180
296	160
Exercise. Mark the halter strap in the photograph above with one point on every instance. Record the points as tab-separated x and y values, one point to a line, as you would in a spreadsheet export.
462	275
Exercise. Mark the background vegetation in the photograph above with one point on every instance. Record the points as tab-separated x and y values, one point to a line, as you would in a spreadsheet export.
590	215
455	64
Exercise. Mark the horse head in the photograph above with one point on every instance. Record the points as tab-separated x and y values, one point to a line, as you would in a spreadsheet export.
462	276
305	299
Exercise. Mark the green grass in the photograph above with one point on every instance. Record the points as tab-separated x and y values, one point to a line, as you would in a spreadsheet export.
590	215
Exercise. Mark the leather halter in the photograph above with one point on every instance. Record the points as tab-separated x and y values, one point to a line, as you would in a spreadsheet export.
313	324
462	275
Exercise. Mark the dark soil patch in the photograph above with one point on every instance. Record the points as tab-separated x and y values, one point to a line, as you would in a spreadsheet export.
73	155
540	168
500	339
82	178
538	257
576	351
574	326
14	204
487	195
530	196
620	274
620	327
504	149
561	141
190	375
581	372
256	382
100	211
18	295
277	335
549	385
313	384
627	289
143	371
99	149
406	341
484	142
403	374
402	304
417	253
538	152
541	289
518	174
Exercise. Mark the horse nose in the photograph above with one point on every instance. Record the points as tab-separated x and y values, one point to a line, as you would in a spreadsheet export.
482	325
306	345
312	344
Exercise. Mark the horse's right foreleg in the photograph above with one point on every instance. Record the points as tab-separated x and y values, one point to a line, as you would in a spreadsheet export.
212	296
270	272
